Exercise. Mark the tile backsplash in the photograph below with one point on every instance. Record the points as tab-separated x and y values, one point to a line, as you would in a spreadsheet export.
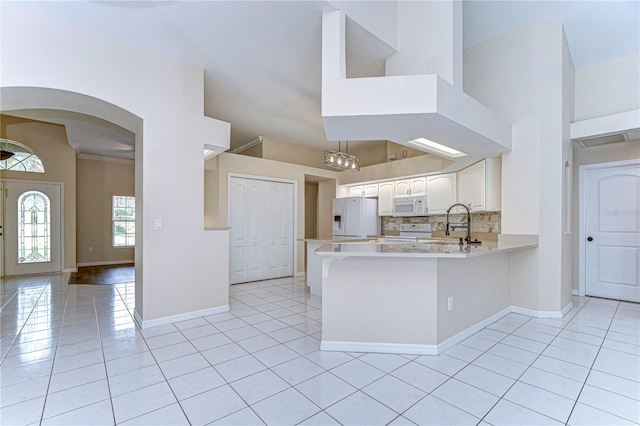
485	222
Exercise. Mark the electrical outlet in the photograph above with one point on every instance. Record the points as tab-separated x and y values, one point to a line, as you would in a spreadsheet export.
450	303
157	224
90	249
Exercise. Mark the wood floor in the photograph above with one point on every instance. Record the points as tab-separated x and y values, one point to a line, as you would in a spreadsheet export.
112	274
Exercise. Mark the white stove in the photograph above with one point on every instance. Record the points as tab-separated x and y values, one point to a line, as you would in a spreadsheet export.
411	232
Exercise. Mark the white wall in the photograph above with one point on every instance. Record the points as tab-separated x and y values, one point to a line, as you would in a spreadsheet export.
609	88
174	265
568	113
523	74
402	108
380	18
425	39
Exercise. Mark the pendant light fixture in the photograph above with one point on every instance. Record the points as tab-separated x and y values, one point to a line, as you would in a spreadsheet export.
5	154
342	160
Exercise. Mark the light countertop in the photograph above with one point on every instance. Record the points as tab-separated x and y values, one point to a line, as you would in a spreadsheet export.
432	248
331	240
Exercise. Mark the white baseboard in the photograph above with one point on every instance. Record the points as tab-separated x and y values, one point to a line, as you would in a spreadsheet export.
457	338
566	309
413	349
69	270
542	314
575	292
137	319
144	324
384	348
106	262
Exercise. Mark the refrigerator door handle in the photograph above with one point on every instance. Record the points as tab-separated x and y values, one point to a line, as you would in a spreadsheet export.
346	218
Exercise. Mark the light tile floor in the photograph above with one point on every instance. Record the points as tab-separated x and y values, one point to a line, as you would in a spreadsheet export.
71	354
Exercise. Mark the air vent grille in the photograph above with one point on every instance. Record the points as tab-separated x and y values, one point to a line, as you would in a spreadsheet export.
603	140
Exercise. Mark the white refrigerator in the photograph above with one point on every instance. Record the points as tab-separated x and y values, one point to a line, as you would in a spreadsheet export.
355	217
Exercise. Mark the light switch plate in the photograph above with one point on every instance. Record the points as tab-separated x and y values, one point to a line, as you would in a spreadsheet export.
157	224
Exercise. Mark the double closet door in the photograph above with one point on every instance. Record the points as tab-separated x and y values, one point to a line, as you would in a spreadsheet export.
261	216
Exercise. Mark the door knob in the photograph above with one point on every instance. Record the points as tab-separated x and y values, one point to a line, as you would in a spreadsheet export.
589	238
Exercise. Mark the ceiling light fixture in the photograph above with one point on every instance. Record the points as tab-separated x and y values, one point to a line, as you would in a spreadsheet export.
5	155
436	148
342	160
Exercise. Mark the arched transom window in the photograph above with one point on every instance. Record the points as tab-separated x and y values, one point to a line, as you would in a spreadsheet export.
19	157
34	227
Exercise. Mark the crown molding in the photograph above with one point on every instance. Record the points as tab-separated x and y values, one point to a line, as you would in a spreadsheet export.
247	145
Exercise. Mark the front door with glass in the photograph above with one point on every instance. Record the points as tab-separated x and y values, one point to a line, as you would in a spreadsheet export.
32	228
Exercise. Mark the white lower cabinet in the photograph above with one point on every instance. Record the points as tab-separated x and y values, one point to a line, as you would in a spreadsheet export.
441	193
261	237
479	185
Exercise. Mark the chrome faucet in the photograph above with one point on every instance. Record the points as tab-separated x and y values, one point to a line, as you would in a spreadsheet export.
453	227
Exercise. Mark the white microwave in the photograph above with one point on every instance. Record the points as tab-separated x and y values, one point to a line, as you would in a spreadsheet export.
414	205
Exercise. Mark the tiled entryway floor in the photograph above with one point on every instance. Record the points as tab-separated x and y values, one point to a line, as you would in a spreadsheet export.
72	355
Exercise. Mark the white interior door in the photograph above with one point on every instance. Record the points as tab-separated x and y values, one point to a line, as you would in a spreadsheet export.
612	232
238	236
272	228
261	216
255	215
32	225
285	230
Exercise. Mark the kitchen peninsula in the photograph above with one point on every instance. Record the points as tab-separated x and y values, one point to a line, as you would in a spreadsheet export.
417	298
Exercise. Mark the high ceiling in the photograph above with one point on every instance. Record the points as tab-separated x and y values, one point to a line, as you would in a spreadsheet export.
262	58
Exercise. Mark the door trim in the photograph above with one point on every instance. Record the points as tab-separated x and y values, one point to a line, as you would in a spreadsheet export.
62	229
295	206
582	232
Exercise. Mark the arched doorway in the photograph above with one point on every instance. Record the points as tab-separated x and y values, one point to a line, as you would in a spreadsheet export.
23	101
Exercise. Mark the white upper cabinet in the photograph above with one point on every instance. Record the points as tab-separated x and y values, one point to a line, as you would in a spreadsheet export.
356	191
401	188
441	192
370	190
385	198
479	185
413	186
